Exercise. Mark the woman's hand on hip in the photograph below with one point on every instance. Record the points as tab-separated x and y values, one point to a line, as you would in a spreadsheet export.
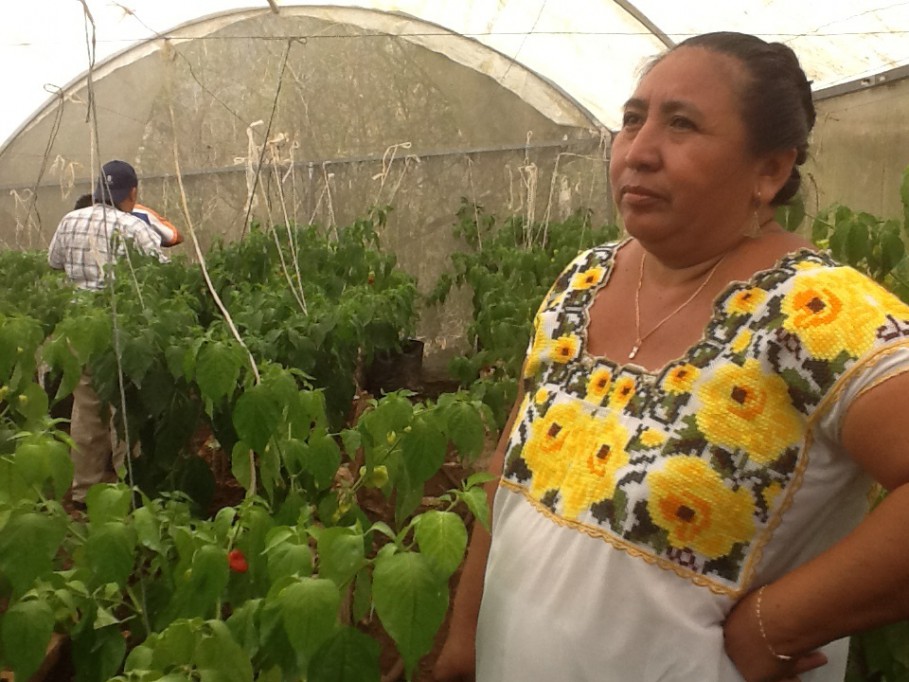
748	642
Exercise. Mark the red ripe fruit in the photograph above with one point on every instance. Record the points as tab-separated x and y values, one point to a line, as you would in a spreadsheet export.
237	561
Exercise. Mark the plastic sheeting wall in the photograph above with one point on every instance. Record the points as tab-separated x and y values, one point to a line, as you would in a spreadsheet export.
861	149
361	120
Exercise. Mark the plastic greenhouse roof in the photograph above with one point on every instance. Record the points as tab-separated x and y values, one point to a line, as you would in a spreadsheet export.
591	49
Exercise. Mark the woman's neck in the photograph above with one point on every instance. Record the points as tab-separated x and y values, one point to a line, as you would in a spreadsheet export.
668	270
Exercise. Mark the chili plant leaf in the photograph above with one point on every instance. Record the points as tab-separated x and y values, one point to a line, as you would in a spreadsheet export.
98	654
423	448
57	354
442	538
138	356
411	602
240	462
347	656
26	631
219	657
108	503
31	402
28	544
341	554
892	251
217	370
198	595
465	428
477	503
109	552
362	597
243	623
323	457
256	416
289	559
309	612
175	644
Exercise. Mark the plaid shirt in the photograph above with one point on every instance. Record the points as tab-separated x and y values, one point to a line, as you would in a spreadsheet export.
88	239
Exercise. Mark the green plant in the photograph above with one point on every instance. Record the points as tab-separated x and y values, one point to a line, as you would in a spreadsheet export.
315	566
300	577
509	268
876	247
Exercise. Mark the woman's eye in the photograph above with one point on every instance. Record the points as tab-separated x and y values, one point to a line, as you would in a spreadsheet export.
682	123
631	119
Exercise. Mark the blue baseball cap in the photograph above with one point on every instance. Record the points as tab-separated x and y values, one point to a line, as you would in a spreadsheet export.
116	182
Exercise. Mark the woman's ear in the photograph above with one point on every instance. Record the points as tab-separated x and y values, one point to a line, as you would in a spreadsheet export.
774	171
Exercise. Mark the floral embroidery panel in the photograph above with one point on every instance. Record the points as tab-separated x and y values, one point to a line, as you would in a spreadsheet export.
690	468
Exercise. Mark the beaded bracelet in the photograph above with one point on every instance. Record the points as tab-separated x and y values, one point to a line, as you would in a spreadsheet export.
760	620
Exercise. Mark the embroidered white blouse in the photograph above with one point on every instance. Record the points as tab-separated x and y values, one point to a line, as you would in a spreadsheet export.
637	507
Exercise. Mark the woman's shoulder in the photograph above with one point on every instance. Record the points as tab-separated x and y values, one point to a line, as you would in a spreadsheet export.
587	270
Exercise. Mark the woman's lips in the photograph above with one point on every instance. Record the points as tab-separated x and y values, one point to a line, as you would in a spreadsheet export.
639	195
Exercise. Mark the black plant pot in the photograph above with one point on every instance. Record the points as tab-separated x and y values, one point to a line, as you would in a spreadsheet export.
392	370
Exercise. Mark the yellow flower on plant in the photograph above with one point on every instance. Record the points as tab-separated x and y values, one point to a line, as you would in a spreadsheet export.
836	310
589	278
598	385
745	408
690	501
741	341
547	452
622	393
680	379
651	438
746	301
566	348
598	451
770	493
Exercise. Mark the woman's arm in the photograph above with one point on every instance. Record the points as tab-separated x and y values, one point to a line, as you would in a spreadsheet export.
861	582
457	660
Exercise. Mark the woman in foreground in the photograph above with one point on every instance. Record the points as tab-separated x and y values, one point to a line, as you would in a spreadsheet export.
685	477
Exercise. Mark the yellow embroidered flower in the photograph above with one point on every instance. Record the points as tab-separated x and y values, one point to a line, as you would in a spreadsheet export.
690	501
770	493
598	452
540	396
807	265
744	408
555	301
542	342
622	393
598	385
745	302
588	278
651	438
833	310
546	451
680	379
741	341
566	348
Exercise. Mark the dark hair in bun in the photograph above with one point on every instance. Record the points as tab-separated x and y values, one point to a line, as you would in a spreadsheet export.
777	106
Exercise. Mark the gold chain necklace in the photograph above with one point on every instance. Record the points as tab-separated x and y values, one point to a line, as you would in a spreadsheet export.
637	305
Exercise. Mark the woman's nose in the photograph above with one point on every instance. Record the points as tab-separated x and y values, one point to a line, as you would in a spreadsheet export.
643	148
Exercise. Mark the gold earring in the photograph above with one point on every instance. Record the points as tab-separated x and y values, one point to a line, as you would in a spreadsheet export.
754	229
